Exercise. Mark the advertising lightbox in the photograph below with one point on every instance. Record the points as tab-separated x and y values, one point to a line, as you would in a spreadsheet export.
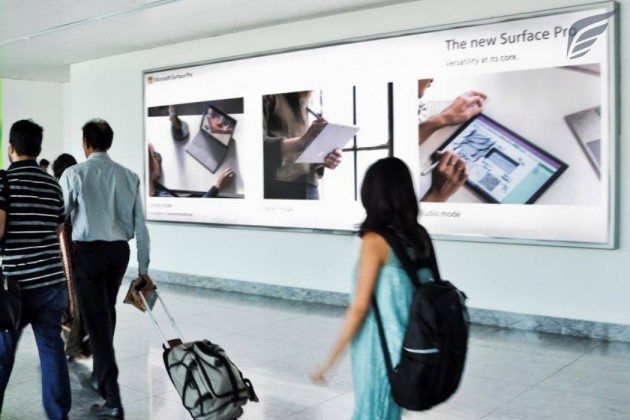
508	128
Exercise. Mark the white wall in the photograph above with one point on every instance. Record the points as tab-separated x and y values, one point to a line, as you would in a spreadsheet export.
41	101
562	282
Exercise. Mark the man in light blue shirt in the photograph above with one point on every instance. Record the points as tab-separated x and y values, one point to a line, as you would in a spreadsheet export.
103	200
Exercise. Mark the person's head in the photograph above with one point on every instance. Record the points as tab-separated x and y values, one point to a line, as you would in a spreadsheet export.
25	140
44	163
97	136
388	196
63	162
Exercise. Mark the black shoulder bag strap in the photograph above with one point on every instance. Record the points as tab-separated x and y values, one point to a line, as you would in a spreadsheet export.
411	268
4	182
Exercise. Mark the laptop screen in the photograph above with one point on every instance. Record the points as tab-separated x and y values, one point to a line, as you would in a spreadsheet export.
218	125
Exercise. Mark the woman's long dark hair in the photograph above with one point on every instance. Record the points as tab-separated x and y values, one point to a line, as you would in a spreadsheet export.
389	200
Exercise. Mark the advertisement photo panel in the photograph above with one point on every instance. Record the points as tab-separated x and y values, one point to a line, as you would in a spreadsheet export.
507	125
534	136
192	150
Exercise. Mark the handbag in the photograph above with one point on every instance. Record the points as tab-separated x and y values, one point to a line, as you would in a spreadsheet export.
10	304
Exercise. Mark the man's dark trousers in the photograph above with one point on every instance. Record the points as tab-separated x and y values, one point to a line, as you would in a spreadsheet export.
99	268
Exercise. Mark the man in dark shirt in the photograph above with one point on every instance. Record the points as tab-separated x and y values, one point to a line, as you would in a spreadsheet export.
31	213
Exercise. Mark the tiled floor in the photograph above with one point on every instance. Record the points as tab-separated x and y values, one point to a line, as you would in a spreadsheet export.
510	374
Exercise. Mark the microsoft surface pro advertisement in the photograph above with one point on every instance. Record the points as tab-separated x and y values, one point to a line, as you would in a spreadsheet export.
508	129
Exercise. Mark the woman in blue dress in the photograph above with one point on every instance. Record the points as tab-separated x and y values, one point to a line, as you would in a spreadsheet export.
389	200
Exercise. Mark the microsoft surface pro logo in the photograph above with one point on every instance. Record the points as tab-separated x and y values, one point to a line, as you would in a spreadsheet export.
584	33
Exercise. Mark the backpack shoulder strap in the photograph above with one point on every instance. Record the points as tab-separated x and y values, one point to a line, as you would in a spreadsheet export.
411	268
409	265
383	340
433	261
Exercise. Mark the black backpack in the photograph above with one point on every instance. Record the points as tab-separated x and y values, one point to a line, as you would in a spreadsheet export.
434	348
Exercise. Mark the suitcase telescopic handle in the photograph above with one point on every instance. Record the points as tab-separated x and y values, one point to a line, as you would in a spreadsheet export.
167	343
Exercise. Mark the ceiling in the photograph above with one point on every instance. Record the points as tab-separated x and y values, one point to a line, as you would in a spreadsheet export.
39	39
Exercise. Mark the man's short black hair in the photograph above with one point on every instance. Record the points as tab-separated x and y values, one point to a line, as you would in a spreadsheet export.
26	138
98	134
44	162
63	162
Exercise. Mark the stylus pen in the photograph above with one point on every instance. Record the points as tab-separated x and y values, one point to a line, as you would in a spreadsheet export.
431	168
313	113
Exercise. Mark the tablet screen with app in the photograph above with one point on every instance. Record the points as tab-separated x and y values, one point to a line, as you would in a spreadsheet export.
218	124
503	167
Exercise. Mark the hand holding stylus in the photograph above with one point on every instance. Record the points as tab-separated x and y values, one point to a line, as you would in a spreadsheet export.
448	177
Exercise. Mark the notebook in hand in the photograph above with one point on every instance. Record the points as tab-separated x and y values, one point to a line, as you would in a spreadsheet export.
324	141
139	285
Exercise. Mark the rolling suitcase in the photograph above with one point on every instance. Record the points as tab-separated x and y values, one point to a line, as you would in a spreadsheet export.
209	383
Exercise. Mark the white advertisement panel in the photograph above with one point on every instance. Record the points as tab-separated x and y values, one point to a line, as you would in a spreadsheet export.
508	129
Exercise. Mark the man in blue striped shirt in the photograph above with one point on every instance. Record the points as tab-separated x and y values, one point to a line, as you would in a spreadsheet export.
104	202
31	213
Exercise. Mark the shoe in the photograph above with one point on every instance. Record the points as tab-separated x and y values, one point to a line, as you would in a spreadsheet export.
88	383
104	411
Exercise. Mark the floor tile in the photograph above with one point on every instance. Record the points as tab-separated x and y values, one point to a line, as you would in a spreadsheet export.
478	396
607	378
537	342
247	350
232	320
336	408
298	368
308	330
612	349
512	366
542	403
281	397
156	408
480	331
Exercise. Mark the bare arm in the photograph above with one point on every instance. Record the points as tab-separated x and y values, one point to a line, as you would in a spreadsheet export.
374	254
